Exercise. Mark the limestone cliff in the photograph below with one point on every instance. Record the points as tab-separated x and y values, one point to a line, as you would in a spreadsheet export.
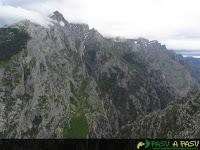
69	81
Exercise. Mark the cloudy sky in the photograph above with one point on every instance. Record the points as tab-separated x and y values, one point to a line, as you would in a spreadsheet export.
175	23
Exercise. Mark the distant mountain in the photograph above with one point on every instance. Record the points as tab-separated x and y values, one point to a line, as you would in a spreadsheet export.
188	53
69	81
193	61
193	65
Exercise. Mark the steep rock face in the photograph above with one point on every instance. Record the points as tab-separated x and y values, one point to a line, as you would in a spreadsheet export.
175	121
72	82
170	69
193	61
193	65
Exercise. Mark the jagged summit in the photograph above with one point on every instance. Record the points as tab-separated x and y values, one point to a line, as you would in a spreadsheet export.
58	17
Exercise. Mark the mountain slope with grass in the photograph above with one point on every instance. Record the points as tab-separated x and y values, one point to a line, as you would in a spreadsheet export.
68	81
175	121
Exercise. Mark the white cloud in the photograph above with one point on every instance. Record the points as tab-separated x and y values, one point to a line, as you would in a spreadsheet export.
176	23
182	44
10	14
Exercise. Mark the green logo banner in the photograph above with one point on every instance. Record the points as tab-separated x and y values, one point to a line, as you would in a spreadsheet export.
159	144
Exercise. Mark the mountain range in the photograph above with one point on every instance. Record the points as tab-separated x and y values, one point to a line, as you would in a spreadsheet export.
68	81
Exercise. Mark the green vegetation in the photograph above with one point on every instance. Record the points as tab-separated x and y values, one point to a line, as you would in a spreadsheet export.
78	127
108	87
25	97
124	133
131	59
80	99
5	63
90	57
81	92
42	102
194	107
9	102
116	51
105	83
12	41
165	119
3	135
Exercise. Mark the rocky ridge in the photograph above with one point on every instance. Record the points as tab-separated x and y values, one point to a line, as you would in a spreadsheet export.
71	82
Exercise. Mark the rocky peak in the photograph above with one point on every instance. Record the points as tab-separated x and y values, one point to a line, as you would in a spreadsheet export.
57	16
79	27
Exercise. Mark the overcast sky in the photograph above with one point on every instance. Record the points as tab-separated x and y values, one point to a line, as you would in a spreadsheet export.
175	23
